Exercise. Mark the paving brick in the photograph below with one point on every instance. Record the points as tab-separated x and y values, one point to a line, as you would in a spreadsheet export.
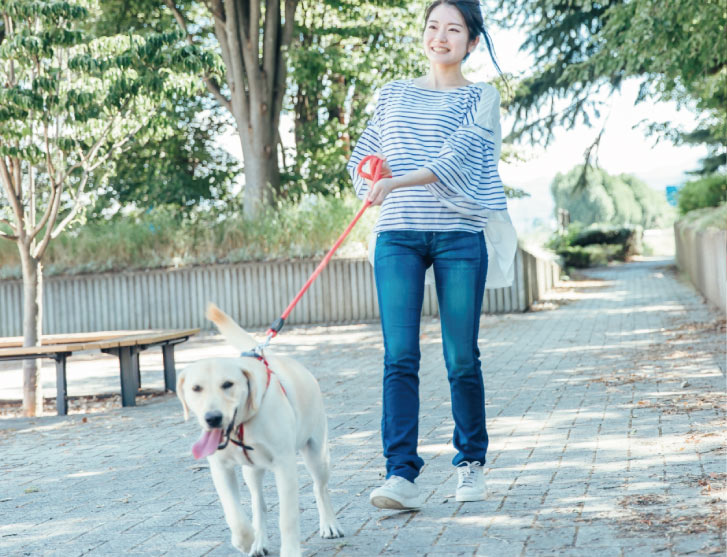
595	448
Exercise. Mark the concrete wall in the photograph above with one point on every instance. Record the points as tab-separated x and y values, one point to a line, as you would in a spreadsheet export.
255	294
702	254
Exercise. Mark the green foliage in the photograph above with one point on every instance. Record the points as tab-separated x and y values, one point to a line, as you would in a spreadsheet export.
589	256
162	237
617	200
710	191
602	235
597	244
709	217
677	49
184	166
344	51
182	169
73	101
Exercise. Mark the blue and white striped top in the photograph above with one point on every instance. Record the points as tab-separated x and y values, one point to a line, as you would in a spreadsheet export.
454	133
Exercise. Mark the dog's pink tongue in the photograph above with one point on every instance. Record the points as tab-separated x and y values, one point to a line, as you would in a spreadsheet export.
207	444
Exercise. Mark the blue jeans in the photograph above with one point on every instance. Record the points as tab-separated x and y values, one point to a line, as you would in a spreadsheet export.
460	268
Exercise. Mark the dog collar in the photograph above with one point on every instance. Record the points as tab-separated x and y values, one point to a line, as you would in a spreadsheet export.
241	427
268	371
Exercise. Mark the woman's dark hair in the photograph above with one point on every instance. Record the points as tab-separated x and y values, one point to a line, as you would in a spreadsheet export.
472	15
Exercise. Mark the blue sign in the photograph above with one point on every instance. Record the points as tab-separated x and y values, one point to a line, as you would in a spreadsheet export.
672	193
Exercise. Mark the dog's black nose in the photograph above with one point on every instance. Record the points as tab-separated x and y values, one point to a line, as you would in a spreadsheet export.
213	418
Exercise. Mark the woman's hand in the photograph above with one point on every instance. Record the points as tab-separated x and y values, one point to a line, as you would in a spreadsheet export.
385	170
386	185
376	194
380	190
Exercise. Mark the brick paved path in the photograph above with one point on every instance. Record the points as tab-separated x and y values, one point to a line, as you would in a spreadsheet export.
606	413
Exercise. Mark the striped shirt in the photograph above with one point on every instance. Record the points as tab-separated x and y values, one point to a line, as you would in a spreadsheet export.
453	133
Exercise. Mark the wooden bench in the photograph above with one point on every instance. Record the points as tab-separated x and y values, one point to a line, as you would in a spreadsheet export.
126	345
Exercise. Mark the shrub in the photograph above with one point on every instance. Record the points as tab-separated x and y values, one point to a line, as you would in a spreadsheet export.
596	245
705	192
709	217
590	256
162	238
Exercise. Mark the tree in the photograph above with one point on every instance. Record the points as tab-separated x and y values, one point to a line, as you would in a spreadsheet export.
343	52
606	199
677	49
181	168
253	38
70	103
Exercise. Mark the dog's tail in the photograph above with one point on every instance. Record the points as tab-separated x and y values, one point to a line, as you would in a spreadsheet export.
236	335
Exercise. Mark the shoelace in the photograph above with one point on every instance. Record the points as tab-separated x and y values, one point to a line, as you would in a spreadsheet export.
467	471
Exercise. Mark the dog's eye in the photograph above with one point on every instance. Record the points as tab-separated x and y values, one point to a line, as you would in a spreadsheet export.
227	384
197	389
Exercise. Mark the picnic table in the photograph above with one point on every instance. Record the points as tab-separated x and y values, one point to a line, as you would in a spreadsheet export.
126	345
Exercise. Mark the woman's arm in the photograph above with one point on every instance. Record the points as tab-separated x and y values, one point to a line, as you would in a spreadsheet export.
385	186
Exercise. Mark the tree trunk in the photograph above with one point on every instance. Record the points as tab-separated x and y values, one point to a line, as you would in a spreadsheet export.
32	329
262	173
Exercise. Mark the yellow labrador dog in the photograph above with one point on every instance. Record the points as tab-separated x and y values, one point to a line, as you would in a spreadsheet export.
258	414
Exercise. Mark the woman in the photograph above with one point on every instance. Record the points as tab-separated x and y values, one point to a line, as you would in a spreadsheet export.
440	137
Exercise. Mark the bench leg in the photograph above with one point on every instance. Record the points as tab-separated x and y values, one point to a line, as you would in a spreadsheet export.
61	388
129	371
135	351
170	373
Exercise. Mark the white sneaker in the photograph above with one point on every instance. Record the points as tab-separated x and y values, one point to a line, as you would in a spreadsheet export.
397	493
471	484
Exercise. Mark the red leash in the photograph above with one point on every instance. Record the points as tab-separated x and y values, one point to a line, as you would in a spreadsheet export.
374	174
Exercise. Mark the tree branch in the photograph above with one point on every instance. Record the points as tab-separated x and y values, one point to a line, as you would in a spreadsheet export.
582	182
221	34
4	236
117	147
279	84
16	170
52	210
7	182
237	62
11	225
270	44
55	193
211	84
51	213
87	171
250	64
253	32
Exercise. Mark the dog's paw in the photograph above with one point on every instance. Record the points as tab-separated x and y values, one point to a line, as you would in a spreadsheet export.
331	530
243	540
258	548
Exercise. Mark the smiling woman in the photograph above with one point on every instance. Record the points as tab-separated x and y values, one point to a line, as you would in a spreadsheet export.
439	138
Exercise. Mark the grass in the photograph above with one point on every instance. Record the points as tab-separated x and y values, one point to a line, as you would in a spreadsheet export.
159	238
710	217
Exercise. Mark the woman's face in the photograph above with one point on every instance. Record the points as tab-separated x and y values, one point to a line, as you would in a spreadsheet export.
446	40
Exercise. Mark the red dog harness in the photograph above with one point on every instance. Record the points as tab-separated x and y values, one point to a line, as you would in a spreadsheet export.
241	427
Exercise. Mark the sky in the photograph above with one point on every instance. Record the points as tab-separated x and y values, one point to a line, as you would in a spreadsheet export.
624	148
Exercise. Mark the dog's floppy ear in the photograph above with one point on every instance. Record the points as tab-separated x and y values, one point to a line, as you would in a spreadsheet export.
180	394
255	392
